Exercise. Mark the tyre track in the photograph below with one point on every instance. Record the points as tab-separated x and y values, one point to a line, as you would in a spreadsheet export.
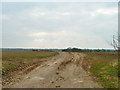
62	71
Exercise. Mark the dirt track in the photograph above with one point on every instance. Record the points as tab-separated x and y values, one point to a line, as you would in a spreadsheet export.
61	71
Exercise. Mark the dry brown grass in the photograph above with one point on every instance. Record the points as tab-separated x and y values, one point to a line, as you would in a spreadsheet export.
14	60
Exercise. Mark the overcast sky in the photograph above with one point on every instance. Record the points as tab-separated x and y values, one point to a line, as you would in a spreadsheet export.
59	25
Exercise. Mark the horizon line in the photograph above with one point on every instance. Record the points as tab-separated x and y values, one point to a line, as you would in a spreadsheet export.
49	48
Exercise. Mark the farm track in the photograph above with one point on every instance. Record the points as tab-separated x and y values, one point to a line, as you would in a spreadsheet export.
61	71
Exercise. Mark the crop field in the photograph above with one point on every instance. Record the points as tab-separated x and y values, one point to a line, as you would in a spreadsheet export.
14	60
104	66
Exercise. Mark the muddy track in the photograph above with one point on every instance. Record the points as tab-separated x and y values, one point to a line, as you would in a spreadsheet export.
61	71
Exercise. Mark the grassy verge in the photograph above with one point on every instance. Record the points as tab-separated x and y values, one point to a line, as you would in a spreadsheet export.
104	66
14	60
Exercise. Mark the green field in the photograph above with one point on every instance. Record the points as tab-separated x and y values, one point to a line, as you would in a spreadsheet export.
104	66
15	60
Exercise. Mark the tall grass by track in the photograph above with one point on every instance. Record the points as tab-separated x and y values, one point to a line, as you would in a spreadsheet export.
12	60
104	66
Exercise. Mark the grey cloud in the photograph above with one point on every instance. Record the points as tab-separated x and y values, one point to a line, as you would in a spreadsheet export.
75	19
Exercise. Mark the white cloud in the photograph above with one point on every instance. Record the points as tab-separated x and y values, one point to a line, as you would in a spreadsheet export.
64	39
48	34
105	11
64	13
38	34
39	40
39	14
108	11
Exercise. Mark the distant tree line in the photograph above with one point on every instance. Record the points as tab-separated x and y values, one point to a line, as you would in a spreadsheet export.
65	50
86	50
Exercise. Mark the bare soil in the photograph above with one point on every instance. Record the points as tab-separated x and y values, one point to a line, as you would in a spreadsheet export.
61	71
